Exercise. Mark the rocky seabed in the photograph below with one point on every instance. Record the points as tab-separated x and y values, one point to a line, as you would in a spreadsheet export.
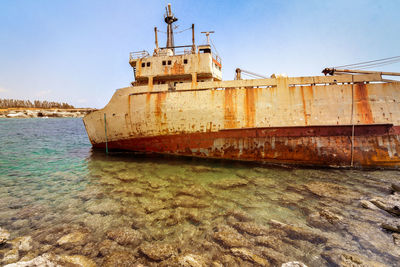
126	219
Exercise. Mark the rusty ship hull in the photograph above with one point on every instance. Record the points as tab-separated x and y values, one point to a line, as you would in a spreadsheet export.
178	104
346	120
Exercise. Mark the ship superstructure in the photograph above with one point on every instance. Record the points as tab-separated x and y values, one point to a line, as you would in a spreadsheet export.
175	64
179	105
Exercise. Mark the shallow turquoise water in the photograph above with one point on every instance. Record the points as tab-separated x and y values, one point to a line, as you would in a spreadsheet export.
50	177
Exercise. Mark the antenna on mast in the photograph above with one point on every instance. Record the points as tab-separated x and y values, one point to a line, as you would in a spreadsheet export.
208	36
169	19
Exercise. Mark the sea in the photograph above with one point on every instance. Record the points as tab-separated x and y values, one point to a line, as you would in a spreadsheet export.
159	210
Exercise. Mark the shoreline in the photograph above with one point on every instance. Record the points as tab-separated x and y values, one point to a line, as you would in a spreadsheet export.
23	113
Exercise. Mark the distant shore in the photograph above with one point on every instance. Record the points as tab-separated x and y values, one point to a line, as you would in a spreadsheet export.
44	113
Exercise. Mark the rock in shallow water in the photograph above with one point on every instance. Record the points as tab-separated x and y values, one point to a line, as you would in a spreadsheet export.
296	232
239	215
366	204
248	255
274	257
119	259
332	191
157	251
344	259
125	236
390	203
271	242
294	264
251	228
10	256
74	238
104	206
393	227
191	260
107	247
230	238
23	243
4	235
229	183
43	260
189	202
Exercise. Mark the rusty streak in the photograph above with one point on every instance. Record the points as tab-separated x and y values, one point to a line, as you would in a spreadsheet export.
304	106
230	108
250	106
363	105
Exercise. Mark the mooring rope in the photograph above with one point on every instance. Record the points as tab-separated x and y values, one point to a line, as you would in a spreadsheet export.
105	131
352	120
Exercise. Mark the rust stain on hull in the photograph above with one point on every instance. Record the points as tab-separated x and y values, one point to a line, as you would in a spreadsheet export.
250	106
375	145
230	109
363	105
158	113
304	106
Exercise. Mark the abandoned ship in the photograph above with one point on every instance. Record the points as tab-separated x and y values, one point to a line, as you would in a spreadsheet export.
179	105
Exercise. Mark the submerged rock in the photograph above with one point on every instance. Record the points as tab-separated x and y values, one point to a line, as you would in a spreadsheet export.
230	238
366	204
23	243
107	247
248	255
120	259
396	187
203	169
191	260
74	260
296	232
229	183
125	236
390	204
331	190
75	238
239	215
157	251
293	264
11	256
396	239
251	228
195	191
189	202
350	260
270	241
276	258
4	235
43	260
104	206
344	259
325	219
393	227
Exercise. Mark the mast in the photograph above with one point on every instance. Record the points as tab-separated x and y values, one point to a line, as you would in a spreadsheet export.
169	19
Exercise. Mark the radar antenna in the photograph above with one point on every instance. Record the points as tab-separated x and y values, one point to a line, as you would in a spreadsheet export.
208	36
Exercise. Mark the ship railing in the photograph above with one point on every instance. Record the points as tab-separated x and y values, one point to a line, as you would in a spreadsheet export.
179	50
217	58
138	54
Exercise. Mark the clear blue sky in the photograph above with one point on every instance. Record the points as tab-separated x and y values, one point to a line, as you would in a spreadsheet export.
77	51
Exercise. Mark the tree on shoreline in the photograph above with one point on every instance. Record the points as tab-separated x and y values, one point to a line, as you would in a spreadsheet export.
15	103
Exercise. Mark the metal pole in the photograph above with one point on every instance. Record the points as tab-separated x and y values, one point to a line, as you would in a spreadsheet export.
333	71
105	131
155	33
193	43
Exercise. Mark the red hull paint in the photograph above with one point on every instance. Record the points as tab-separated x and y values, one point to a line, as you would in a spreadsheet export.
374	145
